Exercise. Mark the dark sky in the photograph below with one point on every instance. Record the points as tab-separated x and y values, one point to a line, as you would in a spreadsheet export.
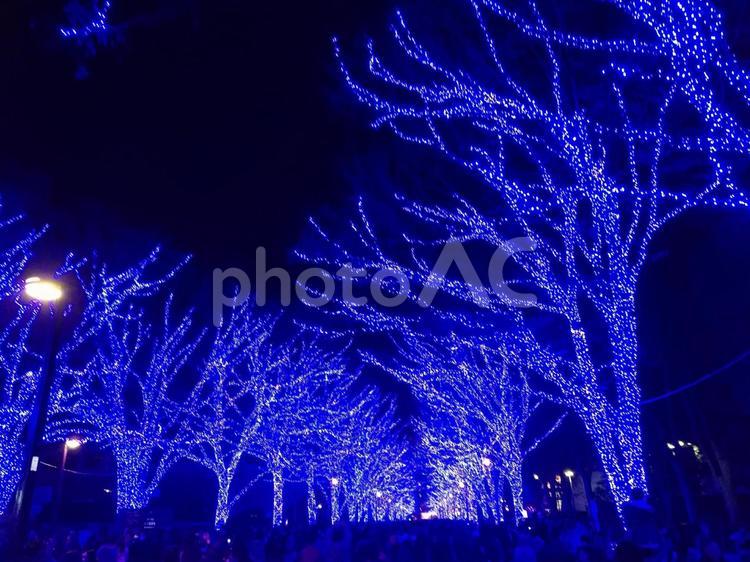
217	126
210	126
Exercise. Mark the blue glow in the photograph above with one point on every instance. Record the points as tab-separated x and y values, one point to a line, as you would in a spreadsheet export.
99	23
599	190
19	369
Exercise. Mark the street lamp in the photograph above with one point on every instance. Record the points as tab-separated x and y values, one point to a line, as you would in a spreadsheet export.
569	475
70	444
44	291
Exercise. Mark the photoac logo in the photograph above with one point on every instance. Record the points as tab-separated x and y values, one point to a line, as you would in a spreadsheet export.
388	287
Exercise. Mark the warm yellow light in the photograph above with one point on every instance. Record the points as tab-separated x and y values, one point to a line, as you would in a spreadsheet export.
569	473
42	290
73	443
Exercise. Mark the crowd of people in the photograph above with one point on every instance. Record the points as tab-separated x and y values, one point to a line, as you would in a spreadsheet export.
557	538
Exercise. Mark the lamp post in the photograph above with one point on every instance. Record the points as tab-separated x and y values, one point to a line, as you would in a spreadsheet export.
335	500
70	444
45	292
569	475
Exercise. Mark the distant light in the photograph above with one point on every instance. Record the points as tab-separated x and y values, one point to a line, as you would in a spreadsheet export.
107	491
334	481
568	473
42	290
681	443
319	506
670	446
461	485
73	443
536	476
229	541
378	494
486	462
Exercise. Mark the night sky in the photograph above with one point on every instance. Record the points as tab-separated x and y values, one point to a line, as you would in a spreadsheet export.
214	127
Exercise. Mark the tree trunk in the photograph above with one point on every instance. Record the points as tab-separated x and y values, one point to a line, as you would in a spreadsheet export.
132	486
334	504
278	498
222	501
515	481
312	511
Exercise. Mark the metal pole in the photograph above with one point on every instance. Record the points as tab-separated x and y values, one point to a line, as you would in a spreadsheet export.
37	423
59	489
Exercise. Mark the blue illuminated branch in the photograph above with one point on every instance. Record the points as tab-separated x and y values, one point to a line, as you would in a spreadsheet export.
229	402
589	181
19	376
478	404
19	367
366	465
262	406
128	404
96	24
298	423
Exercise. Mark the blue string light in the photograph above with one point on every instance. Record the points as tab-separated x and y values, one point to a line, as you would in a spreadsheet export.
599	191
97	24
19	367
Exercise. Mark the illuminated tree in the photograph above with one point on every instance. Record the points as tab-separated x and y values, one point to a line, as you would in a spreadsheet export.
86	20
300	413
479	406
19	371
586	159
230	402
19	376
262	406
367	467
130	404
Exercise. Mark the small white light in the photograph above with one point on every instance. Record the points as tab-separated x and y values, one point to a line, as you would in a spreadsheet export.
334	481
568	473
73	443
486	462
42	290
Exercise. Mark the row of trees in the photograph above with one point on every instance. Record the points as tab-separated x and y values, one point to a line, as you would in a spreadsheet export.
586	153
255	400
586	156
258	401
